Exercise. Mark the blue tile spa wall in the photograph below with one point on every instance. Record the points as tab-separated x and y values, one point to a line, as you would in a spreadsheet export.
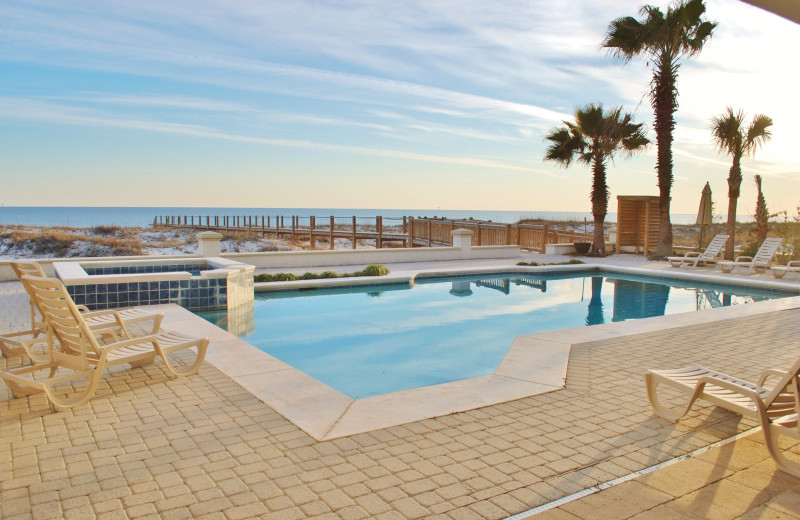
194	294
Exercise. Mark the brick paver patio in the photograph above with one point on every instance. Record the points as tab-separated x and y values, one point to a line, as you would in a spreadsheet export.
148	446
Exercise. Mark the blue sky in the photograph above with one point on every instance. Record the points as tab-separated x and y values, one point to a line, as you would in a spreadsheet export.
412	104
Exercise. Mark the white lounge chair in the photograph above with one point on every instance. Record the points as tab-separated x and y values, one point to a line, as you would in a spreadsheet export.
28	343
708	257
76	354
792	266
775	407
760	262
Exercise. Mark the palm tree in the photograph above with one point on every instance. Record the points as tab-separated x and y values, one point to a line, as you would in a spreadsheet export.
762	214
594	137
663	39
731	138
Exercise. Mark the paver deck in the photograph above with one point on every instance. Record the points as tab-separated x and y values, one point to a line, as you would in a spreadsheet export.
148	446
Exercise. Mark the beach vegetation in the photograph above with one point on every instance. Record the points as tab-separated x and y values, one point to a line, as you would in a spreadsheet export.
593	138
663	39
736	140
788	228
374	270
107	230
370	270
66	243
571	261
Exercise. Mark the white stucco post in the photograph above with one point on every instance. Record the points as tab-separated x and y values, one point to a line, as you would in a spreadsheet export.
462	239
208	243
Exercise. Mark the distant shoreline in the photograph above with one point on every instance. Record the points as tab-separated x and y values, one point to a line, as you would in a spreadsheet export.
31	242
87	217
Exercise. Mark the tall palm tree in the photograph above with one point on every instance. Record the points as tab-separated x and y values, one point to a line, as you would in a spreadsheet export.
732	138
594	137
663	39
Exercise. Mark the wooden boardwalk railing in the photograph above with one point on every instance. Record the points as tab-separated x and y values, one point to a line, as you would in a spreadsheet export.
392	232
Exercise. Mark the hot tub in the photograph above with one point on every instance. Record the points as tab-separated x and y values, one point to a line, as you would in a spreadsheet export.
193	283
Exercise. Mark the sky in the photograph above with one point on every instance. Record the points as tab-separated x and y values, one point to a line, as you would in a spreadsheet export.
373	104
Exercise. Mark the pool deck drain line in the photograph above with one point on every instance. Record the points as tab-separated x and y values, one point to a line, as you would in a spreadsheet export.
611	483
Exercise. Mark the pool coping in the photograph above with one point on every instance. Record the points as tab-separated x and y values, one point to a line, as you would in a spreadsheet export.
535	363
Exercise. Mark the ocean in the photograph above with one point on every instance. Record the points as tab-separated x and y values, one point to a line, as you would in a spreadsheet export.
86	217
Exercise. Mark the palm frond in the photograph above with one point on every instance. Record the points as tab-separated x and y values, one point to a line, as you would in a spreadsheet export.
726	132
758	133
624	38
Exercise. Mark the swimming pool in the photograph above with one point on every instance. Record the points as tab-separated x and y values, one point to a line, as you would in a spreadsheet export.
374	340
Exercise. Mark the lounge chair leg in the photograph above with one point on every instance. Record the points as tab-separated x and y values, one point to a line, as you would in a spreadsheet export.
189	369
772	434
77	399
670	414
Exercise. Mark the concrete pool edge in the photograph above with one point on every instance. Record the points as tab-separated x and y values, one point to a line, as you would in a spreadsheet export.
535	364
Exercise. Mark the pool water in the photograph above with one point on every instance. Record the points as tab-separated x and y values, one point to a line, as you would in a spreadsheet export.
365	341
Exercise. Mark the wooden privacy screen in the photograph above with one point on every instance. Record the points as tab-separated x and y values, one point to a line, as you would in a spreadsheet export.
637	223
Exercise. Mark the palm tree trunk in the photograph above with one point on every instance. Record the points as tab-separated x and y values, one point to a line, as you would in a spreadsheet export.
599	204
734	187
665	103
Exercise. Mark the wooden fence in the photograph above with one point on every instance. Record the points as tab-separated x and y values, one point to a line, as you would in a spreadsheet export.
392	232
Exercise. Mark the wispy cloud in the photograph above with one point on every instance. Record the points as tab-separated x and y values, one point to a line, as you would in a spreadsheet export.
41	111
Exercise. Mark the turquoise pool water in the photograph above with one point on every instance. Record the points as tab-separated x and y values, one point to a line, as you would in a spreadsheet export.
374	340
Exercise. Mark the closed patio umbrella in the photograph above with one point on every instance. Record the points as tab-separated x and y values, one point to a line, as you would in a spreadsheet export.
704	216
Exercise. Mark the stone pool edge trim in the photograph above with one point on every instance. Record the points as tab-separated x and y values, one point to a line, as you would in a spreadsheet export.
535	363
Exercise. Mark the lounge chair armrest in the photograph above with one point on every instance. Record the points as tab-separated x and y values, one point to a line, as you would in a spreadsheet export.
692	254
94	314
83	309
770	372
743	259
793	263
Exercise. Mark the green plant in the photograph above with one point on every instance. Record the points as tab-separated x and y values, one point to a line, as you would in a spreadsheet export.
374	270
571	261
277	277
370	270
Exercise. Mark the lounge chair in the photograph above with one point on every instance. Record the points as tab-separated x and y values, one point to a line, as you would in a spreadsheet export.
25	342
75	352
793	266
775	407
760	262
708	257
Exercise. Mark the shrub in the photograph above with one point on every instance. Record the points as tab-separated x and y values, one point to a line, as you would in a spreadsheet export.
374	270
277	277
370	270
105	230
569	262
